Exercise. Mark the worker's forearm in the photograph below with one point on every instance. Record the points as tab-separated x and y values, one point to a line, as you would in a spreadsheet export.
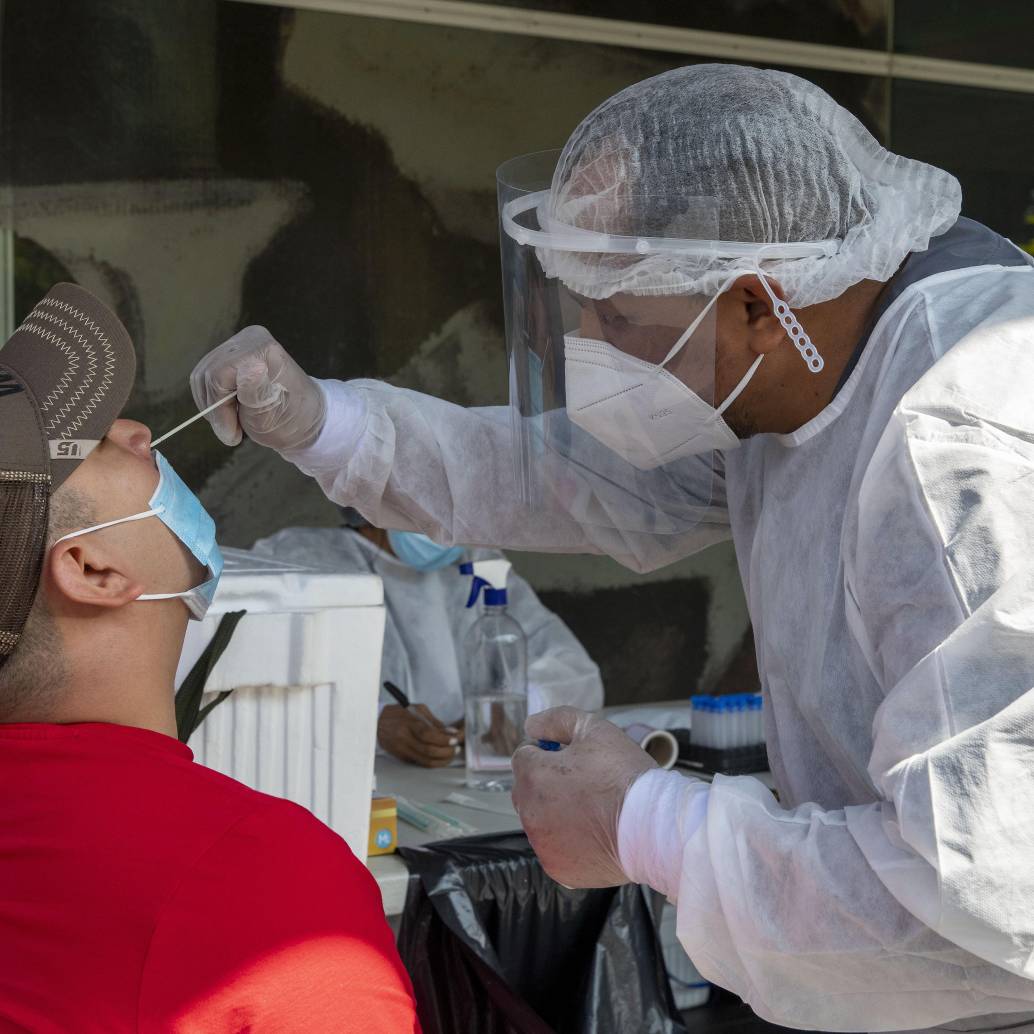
414	462
417	463
661	812
343	427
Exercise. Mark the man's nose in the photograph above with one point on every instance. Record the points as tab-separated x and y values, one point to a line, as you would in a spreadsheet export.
132	436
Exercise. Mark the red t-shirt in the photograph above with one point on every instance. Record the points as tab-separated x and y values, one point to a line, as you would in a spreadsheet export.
142	892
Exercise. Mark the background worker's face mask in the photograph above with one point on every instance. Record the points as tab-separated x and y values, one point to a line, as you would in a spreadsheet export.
182	513
421	553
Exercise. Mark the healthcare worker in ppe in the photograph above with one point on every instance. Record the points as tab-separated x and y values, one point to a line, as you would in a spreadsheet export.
732	312
428	618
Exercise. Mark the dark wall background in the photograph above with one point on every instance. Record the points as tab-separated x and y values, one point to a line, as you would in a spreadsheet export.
211	164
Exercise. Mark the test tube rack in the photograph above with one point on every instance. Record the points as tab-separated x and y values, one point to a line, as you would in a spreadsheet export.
727	735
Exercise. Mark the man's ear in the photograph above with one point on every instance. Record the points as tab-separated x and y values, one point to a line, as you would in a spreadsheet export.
83	573
764	333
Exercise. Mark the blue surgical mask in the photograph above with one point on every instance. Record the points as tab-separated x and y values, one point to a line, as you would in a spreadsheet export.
182	513
420	552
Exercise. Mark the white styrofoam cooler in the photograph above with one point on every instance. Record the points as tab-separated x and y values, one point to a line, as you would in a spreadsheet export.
304	665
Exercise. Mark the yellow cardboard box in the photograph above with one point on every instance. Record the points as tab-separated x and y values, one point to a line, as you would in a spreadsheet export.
384	826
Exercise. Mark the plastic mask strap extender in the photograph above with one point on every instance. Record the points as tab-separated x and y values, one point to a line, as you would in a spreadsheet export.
796	333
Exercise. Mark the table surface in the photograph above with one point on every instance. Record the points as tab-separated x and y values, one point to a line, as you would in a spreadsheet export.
432	786
428	786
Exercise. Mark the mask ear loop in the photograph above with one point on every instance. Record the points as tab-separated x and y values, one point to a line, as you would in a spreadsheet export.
744	381
145	596
125	520
691	329
796	333
111	524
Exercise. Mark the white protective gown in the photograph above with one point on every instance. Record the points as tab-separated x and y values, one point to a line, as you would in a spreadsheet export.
886	549
428	619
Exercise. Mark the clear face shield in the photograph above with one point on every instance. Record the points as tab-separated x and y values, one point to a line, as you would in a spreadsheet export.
612	343
612	386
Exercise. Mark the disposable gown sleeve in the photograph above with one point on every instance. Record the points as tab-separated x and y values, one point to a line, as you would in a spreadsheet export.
918	908
417	463
560	670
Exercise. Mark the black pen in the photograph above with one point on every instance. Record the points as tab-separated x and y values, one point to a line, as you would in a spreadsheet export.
403	701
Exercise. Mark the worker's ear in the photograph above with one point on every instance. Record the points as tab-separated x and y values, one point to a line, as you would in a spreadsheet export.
81	572
752	310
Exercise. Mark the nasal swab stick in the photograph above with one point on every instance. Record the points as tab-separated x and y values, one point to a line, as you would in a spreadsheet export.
196	416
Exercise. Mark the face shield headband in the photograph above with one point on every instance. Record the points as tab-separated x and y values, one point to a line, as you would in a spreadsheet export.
561	237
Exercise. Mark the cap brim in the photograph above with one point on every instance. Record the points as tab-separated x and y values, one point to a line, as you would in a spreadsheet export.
77	359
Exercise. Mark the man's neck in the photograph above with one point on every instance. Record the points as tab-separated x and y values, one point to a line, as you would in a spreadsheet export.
121	674
143	710
836	328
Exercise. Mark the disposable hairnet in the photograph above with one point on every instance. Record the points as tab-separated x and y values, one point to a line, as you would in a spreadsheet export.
785	164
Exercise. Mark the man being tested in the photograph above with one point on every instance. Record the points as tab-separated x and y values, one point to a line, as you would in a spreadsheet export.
140	891
730	311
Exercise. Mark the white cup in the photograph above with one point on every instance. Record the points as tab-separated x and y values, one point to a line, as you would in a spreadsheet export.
658	743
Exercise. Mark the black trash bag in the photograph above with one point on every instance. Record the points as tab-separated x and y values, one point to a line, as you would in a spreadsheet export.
494	946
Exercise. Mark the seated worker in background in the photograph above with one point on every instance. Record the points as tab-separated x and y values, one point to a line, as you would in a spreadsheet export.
140	891
427	620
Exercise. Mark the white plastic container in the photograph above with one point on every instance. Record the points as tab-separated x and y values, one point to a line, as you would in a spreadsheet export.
304	665
495	679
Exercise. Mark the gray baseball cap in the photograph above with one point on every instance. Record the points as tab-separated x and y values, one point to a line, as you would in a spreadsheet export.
65	376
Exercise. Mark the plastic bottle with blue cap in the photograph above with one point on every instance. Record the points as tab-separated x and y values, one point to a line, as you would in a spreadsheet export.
495	679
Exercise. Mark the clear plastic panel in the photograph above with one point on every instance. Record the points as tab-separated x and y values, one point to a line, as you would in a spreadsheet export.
606	393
